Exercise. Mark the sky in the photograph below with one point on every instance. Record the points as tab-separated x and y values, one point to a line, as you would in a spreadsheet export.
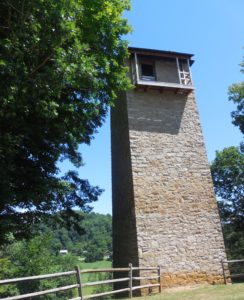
212	30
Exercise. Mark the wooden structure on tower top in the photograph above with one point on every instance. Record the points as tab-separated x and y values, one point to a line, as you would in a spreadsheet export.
161	70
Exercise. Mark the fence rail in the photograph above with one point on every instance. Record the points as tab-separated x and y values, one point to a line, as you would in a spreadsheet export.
38	277
40	293
81	285
227	272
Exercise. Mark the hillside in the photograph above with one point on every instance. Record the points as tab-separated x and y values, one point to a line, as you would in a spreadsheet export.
93	243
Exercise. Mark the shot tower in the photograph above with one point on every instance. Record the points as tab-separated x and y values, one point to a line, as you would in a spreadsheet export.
164	208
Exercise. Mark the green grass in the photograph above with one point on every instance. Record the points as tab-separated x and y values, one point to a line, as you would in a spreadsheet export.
208	292
214	292
104	264
96	265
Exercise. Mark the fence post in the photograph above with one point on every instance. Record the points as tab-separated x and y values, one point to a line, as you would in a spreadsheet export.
159	279
223	268
78	278
130	281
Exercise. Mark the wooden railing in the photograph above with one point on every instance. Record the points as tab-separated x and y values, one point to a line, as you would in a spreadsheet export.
80	285
228	271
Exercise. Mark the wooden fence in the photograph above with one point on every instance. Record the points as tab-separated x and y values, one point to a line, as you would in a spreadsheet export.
81	285
228	271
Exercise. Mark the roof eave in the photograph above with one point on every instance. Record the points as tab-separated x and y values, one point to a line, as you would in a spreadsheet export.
162	53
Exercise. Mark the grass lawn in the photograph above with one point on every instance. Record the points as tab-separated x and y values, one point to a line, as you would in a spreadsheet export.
103	264
209	292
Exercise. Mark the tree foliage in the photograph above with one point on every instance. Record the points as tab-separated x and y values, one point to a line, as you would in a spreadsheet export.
61	66
228	177
236	95
93	244
34	257
40	254
98	237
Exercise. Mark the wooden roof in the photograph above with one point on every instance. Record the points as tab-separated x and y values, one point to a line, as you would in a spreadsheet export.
161	53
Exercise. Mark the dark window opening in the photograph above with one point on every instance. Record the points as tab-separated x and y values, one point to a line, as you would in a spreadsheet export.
147	72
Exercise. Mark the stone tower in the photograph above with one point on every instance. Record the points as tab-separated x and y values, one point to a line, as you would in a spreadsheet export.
164	208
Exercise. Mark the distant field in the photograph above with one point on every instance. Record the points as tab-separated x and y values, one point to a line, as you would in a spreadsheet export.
95	277
210	292
96	265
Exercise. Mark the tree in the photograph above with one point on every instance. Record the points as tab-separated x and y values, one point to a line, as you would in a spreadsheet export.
61	66
93	244
228	177
98	237
7	271
34	257
236	95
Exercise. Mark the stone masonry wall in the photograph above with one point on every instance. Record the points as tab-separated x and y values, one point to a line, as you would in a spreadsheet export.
176	216
125	249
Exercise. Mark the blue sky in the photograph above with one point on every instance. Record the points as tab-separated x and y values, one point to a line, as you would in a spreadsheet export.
212	30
